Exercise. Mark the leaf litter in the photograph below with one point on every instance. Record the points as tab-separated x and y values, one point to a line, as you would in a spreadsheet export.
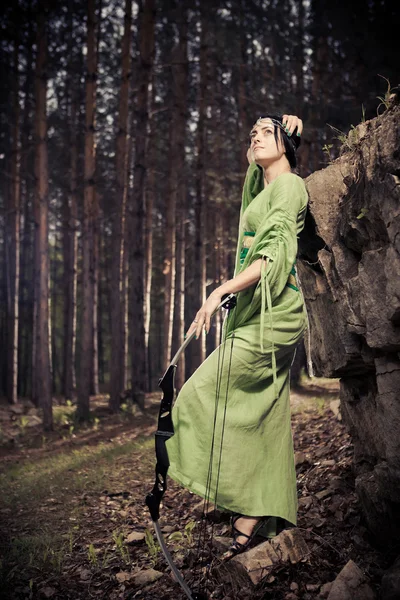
100	538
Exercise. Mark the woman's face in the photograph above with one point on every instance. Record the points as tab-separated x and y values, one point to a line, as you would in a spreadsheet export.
262	143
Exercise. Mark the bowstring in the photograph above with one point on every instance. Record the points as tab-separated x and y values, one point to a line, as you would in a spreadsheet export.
202	538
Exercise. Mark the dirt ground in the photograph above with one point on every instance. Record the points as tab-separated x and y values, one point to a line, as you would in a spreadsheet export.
71	500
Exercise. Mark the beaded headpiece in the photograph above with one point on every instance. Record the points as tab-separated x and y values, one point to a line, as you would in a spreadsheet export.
291	140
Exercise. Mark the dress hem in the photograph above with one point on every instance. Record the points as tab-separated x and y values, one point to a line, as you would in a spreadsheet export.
200	491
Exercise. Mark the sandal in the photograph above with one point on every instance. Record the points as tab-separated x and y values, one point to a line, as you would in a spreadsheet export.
237	547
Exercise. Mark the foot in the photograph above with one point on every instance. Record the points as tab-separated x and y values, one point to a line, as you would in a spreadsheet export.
244	529
245	525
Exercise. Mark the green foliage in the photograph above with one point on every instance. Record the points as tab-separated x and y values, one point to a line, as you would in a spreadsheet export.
152	547
386	99
363	212
121	546
348	141
92	556
22	423
188	532
327	149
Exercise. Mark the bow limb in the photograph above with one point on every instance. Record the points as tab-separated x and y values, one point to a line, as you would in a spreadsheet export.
165	430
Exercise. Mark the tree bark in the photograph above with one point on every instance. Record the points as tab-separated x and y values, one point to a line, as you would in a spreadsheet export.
43	375
199	348
148	232
118	333
136	207
175	171
13	246
89	216
71	248
27	284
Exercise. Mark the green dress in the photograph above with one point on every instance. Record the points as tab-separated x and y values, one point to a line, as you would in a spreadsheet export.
246	462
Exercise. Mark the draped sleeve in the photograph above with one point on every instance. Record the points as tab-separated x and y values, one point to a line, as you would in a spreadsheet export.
275	242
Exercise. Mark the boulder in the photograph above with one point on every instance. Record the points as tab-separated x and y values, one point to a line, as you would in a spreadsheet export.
351	584
349	273
256	564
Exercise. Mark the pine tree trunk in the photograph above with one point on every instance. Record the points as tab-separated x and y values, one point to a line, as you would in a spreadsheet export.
43	375
13	247
175	170
70	258
89	215
136	206
199	346
148	233
242	92
27	243
118	333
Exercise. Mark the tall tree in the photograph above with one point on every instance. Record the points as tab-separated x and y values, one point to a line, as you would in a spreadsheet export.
90	214
178	117
118	333
136	206
199	349
13	242
70	225
43	379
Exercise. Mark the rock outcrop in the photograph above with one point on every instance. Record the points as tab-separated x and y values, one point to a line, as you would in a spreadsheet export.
349	271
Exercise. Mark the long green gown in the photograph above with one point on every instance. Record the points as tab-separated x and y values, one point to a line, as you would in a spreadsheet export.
246	462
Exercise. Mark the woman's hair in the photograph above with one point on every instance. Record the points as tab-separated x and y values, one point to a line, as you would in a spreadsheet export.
290	143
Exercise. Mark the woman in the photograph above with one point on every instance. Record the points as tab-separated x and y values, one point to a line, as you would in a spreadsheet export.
233	442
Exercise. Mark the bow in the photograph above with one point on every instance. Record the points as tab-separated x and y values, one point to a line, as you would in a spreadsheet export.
165	430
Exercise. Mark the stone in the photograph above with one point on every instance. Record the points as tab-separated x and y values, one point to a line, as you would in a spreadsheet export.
123	576
145	577
334	405
290	546
325	589
257	563
390	588
300	458
48	592
351	288
351	584
17	409
136	537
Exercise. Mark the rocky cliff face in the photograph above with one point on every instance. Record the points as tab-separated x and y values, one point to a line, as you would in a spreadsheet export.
349	270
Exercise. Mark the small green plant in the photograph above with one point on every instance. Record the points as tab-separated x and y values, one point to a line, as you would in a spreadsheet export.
362	113
348	141
185	537
69	403
105	559
121	546
92	556
152	547
23	423
363	212
327	149
188	532
386	99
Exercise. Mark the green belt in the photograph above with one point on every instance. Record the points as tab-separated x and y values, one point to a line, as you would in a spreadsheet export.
292	276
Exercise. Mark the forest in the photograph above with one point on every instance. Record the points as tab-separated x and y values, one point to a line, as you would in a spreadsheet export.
123	150
123	140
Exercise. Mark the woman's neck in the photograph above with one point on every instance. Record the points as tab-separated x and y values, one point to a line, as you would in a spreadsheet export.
275	169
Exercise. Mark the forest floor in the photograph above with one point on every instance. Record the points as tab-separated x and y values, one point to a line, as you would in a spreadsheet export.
71	498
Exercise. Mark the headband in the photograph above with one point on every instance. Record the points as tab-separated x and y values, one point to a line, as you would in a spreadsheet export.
291	140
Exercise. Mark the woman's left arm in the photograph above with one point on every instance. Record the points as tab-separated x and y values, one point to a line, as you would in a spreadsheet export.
245	279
